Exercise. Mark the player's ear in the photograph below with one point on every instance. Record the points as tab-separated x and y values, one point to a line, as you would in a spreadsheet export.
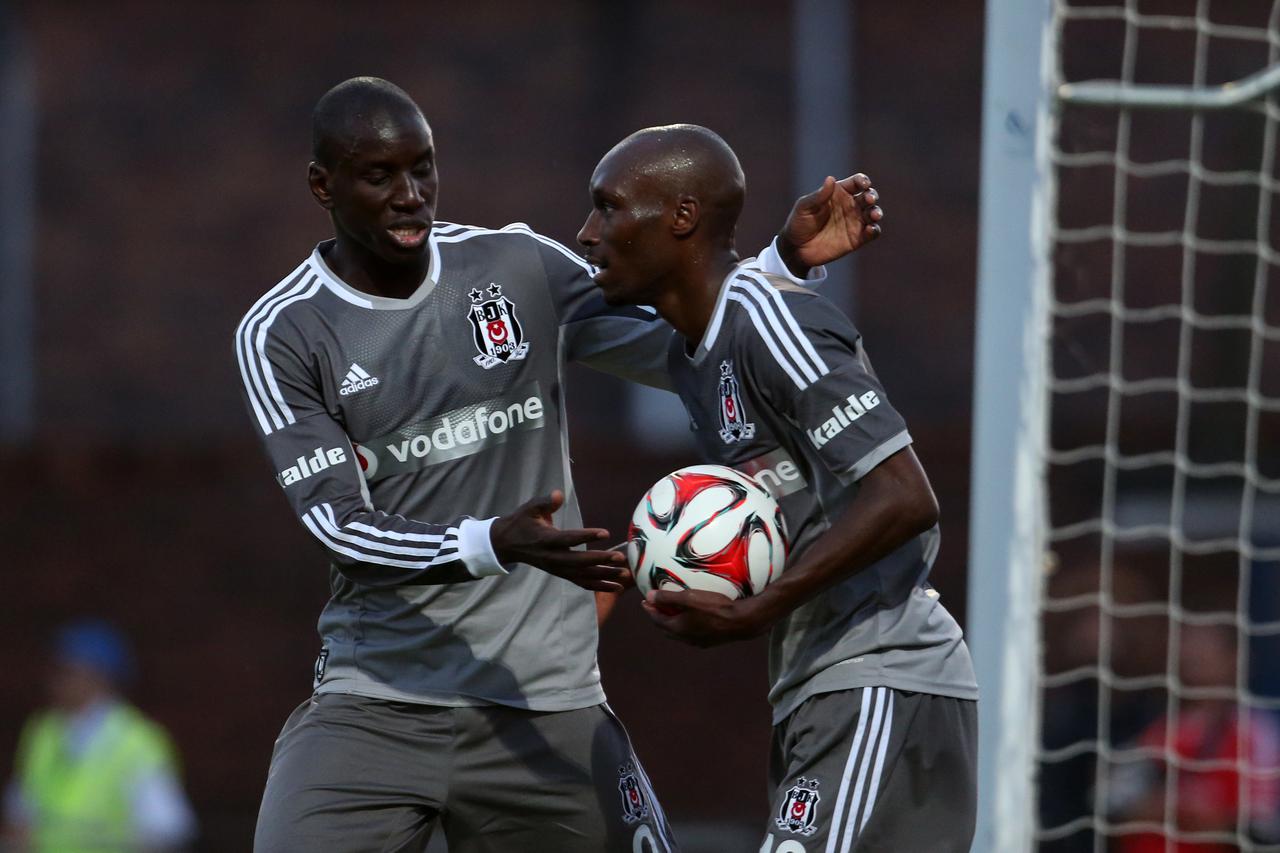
318	180
685	219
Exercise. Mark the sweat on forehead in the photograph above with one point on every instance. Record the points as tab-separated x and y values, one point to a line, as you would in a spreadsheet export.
355	110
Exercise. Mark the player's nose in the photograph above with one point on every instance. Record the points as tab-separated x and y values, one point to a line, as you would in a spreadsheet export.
587	235
407	195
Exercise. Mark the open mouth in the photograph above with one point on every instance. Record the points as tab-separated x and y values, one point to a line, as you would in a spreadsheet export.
408	236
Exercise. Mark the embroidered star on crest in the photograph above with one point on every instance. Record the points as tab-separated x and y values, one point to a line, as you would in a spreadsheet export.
495	289
475	295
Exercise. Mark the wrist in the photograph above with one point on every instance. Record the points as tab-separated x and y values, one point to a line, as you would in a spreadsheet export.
475	547
789	252
763	610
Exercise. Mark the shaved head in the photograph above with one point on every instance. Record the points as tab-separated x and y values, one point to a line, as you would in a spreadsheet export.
355	110
686	160
665	203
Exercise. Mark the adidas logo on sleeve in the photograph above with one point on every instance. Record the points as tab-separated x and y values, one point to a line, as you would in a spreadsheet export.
357	379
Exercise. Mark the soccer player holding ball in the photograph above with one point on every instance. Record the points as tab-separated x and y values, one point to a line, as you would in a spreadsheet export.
873	691
405	381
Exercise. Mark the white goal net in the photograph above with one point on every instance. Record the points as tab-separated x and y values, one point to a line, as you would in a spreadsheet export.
1159	686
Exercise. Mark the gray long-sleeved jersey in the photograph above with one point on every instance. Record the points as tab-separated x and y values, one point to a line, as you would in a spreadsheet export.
398	429
780	387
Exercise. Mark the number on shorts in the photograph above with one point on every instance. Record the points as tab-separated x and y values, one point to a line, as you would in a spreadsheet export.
643	841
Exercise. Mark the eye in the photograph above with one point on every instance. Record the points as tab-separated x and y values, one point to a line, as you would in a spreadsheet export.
376	179
424	170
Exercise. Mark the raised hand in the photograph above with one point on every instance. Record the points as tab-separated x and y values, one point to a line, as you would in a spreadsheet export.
529	536
825	225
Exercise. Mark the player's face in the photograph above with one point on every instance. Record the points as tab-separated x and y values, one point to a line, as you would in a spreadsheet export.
624	235
382	196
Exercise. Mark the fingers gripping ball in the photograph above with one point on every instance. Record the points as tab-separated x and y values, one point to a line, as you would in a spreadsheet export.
707	527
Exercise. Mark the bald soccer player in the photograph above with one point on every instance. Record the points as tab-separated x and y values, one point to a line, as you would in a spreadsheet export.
406	382
873	692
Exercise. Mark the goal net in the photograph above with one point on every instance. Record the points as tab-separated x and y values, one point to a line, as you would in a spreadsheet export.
1159	680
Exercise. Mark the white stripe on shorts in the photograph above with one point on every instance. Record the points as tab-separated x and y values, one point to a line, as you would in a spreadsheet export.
873	728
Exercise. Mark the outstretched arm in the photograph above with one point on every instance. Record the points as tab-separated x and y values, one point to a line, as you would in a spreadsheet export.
825	225
895	503
529	536
320	472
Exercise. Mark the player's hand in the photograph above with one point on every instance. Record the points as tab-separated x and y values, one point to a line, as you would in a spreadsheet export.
838	218
607	601
703	618
529	536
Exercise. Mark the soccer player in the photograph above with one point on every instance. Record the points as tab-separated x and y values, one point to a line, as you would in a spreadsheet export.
406	381
873	692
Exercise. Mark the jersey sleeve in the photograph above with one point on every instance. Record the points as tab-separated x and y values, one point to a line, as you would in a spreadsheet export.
770	261
319	471
629	341
808	361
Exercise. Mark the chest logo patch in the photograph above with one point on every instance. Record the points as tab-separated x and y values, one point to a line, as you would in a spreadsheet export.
496	331
734	425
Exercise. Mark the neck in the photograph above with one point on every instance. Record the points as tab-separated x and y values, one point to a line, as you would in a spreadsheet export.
688	299
370	274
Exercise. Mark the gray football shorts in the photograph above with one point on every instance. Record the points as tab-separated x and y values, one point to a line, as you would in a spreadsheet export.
352	773
874	770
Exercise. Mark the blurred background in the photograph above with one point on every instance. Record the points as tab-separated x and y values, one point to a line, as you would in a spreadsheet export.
152	186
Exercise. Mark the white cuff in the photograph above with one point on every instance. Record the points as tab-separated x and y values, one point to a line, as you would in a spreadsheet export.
476	549
770	261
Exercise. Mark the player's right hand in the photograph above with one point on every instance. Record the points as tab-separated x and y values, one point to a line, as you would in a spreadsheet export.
529	536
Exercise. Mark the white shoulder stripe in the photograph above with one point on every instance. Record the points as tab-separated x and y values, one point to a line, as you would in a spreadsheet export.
250	367
557	245
789	334
781	333
242	350
516	228
767	335
443	228
790	319
260	347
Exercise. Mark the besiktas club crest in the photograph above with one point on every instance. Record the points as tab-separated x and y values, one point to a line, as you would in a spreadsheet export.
635	806
799	812
734	425
496	330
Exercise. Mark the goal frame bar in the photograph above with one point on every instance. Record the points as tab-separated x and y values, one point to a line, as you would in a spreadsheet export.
1008	497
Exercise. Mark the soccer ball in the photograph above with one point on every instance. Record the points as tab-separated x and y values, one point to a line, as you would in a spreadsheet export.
707	527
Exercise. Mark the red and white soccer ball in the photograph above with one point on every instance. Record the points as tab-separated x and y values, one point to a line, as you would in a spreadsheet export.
707	527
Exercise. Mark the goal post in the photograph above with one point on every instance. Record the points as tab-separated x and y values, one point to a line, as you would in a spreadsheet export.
1009	390
1124	557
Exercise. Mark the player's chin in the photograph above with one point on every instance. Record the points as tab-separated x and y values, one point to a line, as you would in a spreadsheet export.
613	292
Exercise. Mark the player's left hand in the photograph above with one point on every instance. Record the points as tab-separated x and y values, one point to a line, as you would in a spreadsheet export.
703	618
838	218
